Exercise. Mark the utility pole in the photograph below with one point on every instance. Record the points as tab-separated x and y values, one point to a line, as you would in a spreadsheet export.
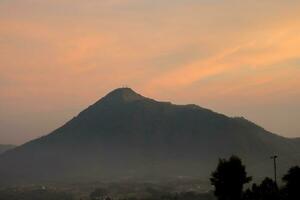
275	167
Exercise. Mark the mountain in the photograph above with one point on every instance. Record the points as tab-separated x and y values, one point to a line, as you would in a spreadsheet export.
5	147
126	135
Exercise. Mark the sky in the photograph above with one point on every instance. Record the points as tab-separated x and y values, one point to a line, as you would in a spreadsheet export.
57	57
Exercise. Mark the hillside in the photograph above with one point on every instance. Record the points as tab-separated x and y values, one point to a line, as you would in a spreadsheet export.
126	135
5	147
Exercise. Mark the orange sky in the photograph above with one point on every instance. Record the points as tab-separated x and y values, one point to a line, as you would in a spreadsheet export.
241	58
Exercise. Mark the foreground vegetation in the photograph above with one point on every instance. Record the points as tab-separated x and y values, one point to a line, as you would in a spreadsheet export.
230	176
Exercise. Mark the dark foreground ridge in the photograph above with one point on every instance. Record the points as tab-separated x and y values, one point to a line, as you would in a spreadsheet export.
127	135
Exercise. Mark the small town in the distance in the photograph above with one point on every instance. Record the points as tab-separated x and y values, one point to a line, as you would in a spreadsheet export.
129	147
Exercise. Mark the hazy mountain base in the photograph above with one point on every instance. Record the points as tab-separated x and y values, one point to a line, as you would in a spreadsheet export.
125	135
116	190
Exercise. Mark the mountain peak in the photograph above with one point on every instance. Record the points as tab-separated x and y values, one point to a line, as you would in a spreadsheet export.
124	94
125	131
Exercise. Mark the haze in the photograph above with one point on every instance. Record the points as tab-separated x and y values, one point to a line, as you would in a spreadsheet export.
57	57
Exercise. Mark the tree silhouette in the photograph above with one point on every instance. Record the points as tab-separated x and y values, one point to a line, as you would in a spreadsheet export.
292	180
252	194
229	178
267	190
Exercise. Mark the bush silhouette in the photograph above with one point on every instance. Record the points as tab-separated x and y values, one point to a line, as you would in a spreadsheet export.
292	188
267	190
229	179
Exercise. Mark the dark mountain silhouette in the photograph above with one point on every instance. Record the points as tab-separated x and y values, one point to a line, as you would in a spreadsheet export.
5	147
127	135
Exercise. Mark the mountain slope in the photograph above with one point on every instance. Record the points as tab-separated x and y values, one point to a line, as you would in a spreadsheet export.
127	135
5	147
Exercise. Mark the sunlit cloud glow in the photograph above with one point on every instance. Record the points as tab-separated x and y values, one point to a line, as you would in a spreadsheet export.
57	57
